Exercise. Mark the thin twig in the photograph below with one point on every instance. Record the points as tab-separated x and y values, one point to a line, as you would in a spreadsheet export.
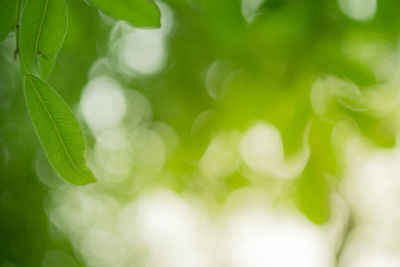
17	28
351	224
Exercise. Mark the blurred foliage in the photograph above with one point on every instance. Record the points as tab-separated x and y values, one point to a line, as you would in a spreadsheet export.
267	68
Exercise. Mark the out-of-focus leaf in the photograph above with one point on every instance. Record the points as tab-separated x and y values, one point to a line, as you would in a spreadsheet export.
313	192
8	17
141	13
59	131
380	131
43	28
313	195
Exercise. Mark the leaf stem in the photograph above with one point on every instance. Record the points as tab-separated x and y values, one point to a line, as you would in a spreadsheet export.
17	27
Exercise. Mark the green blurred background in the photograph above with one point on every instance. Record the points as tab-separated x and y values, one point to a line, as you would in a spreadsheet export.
228	100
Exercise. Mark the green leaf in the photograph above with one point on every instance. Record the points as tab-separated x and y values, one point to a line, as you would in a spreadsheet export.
8	17
141	13
43	28
380	131
313	188
58	130
313	195
46	67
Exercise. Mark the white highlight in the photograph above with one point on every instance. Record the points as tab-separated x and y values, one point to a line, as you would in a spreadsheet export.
361	10
103	103
148	150
328	89
162	228
221	157
216	77
249	9
261	149
143	51
112	155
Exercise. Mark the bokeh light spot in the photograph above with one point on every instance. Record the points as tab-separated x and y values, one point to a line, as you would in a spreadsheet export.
360	10
103	103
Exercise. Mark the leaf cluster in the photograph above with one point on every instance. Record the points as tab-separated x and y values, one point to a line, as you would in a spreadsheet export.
40	27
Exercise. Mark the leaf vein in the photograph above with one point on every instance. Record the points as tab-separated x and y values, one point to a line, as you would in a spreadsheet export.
41	26
56	128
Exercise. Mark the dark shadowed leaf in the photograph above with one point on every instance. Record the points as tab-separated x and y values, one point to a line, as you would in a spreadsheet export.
8	17
59	131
